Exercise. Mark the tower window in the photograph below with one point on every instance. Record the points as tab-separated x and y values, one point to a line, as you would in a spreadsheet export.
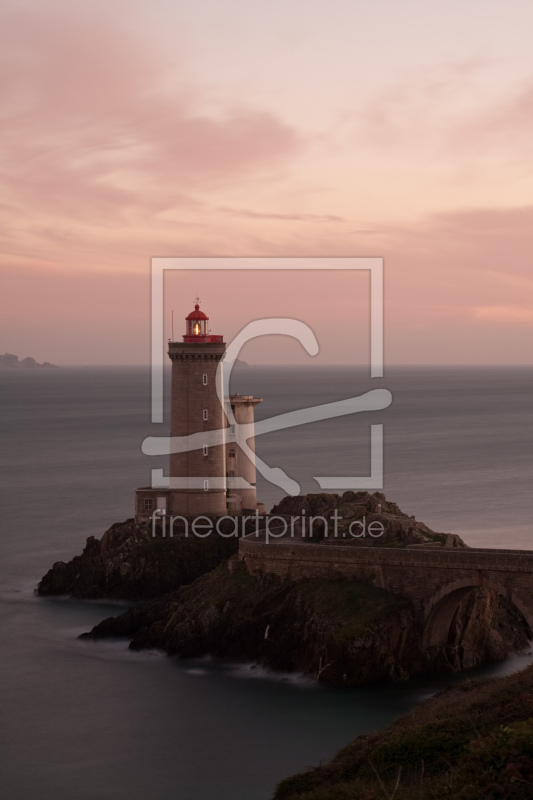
206	449
206	415
206	486
231	473
204	380
231	452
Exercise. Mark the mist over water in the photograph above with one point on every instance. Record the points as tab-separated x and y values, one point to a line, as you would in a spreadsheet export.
94	720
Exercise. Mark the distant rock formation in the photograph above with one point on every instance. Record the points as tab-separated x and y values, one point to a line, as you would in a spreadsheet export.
10	361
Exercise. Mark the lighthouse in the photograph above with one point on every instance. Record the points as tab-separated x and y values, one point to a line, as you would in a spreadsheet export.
198	476
210	475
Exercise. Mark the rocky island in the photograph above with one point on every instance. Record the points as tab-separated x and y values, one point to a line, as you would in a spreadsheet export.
10	361
474	740
337	629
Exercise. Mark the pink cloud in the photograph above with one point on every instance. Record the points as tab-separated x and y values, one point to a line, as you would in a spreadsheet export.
244	212
502	127
455	289
91	134
449	112
109	166
514	315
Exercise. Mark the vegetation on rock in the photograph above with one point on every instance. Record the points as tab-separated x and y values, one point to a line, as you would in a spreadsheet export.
470	742
340	512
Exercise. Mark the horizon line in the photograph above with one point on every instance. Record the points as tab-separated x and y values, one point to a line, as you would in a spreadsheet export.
301	364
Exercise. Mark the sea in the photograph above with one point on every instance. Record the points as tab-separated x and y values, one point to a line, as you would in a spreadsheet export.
94	721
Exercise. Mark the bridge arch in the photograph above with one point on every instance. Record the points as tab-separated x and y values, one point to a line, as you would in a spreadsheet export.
440	609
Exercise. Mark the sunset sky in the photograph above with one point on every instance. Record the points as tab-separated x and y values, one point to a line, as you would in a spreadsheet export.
289	128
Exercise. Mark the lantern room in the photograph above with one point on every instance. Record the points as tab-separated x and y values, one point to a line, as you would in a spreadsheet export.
197	329
196	323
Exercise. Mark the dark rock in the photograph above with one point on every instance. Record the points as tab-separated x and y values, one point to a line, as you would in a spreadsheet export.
11	361
338	631
341	632
129	563
486	627
29	363
315	504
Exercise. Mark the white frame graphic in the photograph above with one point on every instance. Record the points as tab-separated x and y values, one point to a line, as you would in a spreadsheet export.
373	264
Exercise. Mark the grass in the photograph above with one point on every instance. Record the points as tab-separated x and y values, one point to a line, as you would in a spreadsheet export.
470	742
349	605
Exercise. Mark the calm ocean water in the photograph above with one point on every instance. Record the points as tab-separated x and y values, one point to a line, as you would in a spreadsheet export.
94	721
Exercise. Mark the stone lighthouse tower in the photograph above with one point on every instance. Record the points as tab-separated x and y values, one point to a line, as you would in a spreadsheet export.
211	475
198	476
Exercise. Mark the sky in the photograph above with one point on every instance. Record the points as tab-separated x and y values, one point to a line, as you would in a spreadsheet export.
137	129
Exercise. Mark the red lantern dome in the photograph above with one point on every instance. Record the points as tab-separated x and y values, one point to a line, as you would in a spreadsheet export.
197	314
196	328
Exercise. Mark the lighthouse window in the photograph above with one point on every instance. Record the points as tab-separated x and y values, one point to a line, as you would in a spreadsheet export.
204	380
206	415
197	328
206	449
206	486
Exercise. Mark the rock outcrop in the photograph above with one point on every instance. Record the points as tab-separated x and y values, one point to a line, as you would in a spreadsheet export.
11	361
399	529
486	627
129	563
339	631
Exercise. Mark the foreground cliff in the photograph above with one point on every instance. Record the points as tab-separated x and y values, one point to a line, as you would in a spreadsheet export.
470	742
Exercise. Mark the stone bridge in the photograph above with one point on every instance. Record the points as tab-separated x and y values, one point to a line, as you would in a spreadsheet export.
434	579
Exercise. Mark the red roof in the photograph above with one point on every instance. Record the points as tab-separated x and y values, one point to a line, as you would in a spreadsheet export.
197	314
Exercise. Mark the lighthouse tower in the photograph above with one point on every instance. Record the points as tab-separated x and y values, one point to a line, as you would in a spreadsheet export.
198	476
211	475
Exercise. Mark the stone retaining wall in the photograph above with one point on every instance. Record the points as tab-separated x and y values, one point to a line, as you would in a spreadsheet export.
423	576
